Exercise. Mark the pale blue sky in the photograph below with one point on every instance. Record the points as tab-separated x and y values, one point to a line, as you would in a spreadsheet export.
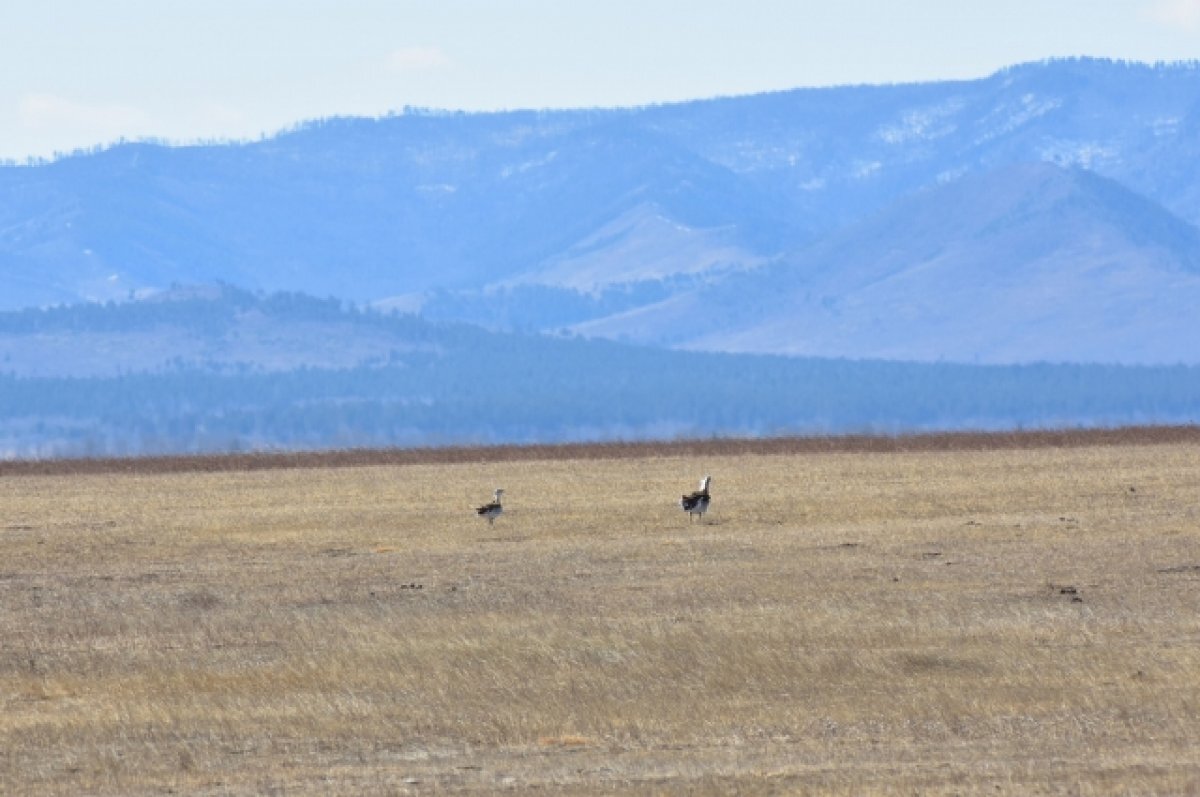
75	74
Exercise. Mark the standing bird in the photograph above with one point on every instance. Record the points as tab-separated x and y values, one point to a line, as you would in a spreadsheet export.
492	510
697	503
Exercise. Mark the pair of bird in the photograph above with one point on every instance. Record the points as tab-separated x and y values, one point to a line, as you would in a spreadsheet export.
694	503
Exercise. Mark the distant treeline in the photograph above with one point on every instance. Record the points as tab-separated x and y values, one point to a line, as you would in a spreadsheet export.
203	310
477	387
448	383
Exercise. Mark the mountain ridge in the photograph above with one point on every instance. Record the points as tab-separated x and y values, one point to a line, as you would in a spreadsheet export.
544	220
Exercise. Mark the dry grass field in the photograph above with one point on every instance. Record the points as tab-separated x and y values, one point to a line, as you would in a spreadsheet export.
966	617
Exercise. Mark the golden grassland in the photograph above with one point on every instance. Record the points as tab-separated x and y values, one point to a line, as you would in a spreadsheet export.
971	619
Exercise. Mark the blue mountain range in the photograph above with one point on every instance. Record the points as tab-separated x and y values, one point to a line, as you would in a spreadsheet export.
1047	212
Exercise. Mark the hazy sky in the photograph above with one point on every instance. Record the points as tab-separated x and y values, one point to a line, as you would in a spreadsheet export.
75	74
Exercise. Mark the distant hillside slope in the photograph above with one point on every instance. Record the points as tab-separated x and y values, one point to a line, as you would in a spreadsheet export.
541	220
1030	262
215	329
225	370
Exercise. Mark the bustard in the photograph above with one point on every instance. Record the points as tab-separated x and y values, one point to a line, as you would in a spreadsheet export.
697	503
491	510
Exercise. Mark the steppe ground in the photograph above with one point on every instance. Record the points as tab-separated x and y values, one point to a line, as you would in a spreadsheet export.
1003	617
